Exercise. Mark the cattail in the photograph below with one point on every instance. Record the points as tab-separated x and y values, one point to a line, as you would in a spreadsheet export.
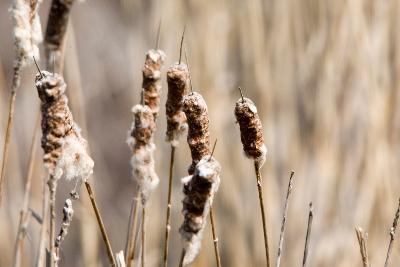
27	29
152	79
199	190
68	213
177	78
141	142
198	138
64	148
251	132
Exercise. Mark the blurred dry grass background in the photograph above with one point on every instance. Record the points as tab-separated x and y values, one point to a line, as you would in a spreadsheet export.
324	77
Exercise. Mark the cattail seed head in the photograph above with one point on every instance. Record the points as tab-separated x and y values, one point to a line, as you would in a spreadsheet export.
251	132
177	78
27	29
152	79
141	142
68	213
198	138
199	190
64	148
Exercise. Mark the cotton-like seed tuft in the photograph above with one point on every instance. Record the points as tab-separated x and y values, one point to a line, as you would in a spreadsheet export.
177	78
199	190
68	213
251	132
198	138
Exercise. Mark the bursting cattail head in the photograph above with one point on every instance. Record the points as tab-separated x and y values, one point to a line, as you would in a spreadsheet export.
152	79
177	78
198	138
27	29
140	140
199	190
65	150
251	132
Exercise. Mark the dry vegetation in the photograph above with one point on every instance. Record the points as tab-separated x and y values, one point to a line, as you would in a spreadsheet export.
323	75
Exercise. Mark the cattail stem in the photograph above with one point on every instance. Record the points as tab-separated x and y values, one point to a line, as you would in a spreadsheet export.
362	241
132	231
309	226
25	208
168	220
392	234
14	87
52	184
183	253
143	255
215	238
280	245
40	262
264	223
101	225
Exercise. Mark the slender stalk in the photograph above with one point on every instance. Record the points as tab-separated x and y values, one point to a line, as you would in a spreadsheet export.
264	223
136	241
309	226
280	245
43	229
131	246
168	221
24	215
362	241
215	238
101	225
14	87
392	234
52	184
182	257
143	255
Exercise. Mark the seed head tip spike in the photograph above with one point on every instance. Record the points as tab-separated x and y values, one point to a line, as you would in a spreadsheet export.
241	93
180	50
212	152
37	66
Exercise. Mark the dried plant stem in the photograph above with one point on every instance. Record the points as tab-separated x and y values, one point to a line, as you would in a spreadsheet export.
215	238
132	231
392	234
183	253
101	225
309	226
52	184
24	215
280	245
136	240
168	220
362	241
264	222
143	254
14	87
43	230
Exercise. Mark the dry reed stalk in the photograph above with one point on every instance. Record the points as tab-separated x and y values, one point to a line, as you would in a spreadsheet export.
24	214
56	30
251	135
308	235
120	259
177	77
199	190
143	253
40	258
27	36
285	210
132	225
215	237
362	238
392	234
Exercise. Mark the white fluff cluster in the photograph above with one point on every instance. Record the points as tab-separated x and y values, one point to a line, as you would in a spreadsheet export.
74	163
209	169
27	28
143	171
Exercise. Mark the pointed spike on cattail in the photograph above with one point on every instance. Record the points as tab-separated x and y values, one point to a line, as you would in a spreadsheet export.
158	34
241	93
180	49
37	66
190	75
212	152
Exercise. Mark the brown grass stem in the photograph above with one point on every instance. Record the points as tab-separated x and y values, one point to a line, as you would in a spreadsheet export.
309	226
16	81
392	234
133	218
143	254
215	238
183	253
40	260
264	221
101	225
168	220
24	214
285	210
180	49
362	238
52	184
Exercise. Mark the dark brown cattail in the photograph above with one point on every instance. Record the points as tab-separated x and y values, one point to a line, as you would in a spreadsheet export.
152	80
141	142
199	190
251	132
177	78
198	138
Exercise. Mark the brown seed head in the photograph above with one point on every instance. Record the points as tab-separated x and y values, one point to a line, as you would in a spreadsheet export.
198	138
142	128
177	78
152	79
251	132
